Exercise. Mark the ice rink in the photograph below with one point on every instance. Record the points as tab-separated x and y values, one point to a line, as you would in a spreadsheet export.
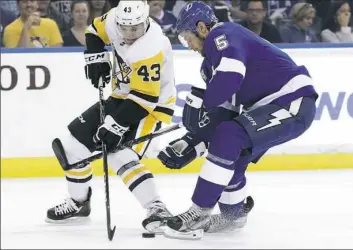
309	209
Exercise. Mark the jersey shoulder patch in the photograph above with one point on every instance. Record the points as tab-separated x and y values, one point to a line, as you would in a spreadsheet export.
99	27
151	44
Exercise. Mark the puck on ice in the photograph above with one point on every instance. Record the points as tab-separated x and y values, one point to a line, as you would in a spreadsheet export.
148	235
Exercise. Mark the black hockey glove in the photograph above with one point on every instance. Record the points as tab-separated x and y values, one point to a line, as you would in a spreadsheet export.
181	152
98	65
110	132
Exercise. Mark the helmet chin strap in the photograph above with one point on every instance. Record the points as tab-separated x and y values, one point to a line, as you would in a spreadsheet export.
147	24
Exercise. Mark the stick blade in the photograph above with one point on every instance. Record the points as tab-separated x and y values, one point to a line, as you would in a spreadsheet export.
59	152
111	233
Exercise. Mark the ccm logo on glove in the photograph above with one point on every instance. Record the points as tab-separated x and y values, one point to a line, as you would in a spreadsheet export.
97	58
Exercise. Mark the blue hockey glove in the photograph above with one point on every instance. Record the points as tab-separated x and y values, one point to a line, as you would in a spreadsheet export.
181	152
194	114
110	132
201	121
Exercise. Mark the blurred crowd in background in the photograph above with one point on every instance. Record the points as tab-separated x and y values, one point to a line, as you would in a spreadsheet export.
55	23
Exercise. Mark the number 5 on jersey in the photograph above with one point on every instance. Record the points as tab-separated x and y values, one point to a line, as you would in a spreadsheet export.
221	42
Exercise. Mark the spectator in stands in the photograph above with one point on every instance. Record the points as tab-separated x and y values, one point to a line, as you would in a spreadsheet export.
322	7
10	6
46	10
236	10
178	6
298	31
165	18
279	10
30	30
338	27
6	17
234	6
256	13
221	10
76	35
113	3
62	6
98	8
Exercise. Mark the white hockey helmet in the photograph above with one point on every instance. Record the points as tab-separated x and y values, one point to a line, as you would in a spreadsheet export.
134	14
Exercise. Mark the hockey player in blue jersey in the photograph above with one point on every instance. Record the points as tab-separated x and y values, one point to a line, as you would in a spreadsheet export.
278	104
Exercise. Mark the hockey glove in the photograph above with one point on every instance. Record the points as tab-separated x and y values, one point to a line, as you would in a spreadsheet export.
194	115
201	121
181	152
110	132
98	65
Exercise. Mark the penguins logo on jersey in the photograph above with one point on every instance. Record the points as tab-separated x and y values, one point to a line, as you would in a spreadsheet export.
123	72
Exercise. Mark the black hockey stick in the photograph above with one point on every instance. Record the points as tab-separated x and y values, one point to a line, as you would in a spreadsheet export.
60	153
105	162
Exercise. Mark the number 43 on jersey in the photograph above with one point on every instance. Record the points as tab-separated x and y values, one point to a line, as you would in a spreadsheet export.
150	73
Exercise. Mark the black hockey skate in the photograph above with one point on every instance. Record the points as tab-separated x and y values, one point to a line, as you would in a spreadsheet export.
189	225
156	217
70	210
220	222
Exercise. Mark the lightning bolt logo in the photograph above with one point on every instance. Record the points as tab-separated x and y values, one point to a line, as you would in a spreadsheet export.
283	114
279	115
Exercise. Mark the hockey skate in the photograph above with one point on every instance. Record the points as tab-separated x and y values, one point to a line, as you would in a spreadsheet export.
70	211
189	225
220	222
156	217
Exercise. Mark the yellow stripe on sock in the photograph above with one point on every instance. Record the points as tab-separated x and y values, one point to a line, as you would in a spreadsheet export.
133	173
88	171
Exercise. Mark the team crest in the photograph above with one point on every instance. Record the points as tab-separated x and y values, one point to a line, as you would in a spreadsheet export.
123	72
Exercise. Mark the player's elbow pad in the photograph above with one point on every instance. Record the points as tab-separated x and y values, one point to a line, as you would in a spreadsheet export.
222	87
93	43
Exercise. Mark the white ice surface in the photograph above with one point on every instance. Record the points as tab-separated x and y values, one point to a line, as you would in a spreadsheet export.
309	209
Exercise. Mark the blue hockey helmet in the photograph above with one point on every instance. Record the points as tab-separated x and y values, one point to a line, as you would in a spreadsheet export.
192	13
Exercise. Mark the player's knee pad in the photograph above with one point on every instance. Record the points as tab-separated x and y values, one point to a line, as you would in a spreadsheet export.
85	126
74	150
125	158
228	142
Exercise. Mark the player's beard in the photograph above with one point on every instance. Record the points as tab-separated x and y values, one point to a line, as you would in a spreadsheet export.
202	42
202	46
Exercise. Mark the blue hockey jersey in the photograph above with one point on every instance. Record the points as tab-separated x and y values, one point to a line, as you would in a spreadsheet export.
244	69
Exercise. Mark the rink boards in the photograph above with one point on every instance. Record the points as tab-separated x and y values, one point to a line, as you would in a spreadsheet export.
43	90
48	167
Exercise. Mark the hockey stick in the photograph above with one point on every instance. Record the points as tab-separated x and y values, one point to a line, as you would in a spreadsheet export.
60	153
105	162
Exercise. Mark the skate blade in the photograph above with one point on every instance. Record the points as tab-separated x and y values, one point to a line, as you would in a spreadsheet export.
191	235
156	227
69	221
